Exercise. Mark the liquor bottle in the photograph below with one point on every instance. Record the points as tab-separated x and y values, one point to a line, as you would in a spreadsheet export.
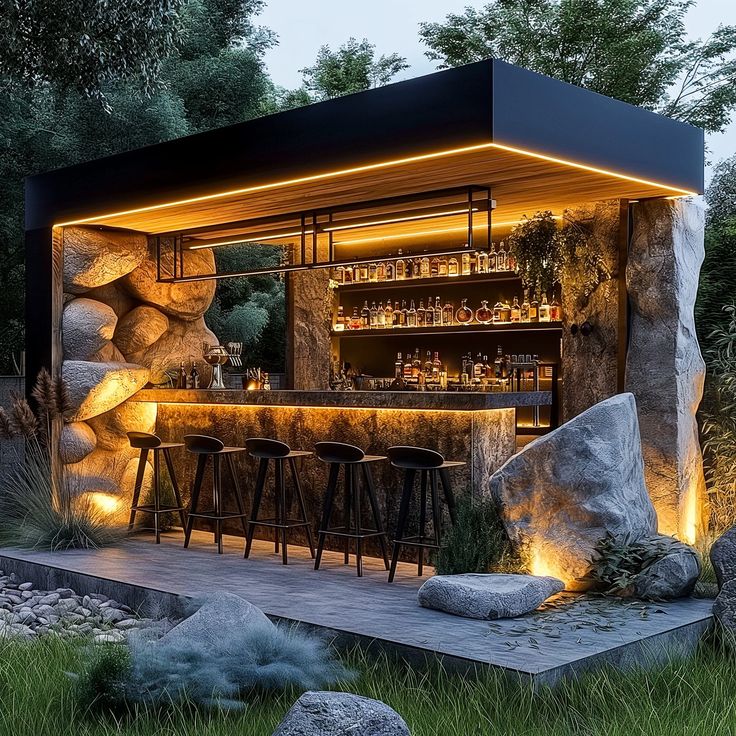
555	311
434	267
194	376
398	366
498	363
411	315
372	272
347	275
400	268
505	311
473	262
399	316
340	319
486	367
493	259
365	315
525	306
442	266
338	274
436	366
381	271
534	309
409	268
181	381
502	258
416	364
373	316
490	369
363	270
437	312
428	365
390	270
421	313
356	321
425	268
482	261
389	314
478	367
448	313
429	314
452	267
356	274
483	314
404	320
465	264
544	309
516	310
381	316
511	260
464	315
407	366
466	370
497	311
417	267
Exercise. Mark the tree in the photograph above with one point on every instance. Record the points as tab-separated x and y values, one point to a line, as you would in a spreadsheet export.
634	50
354	67
84	44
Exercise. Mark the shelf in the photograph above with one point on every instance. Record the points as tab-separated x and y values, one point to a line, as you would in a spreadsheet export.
450	330
475	278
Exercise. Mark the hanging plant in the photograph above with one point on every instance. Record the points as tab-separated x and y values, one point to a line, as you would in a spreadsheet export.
581	257
537	251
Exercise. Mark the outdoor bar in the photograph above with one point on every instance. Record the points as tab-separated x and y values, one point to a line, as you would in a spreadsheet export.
409	320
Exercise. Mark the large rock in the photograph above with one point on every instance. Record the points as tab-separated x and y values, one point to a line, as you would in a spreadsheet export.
186	300
182	342
566	491
94	256
724	611
140	328
95	388
102	471
108	354
672	576
493	596
86	327
76	442
115	296
723	557
340	714
664	368
131	416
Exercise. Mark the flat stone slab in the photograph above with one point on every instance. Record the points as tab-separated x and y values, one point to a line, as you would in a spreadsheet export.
487	596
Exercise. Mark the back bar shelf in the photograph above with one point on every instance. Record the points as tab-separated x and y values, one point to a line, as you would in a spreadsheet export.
450	330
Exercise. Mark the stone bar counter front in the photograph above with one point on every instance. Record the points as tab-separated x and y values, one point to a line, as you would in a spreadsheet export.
476	428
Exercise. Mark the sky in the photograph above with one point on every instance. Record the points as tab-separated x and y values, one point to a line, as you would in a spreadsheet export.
305	25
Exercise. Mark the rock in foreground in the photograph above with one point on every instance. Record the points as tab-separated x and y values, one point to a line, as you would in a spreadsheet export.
723	557
340	714
493	596
564	492
672	576
724	611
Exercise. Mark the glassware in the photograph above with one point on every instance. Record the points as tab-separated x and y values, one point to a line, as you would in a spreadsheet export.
502	259
464	314
544	309
516	310
425	268
482	262
448	313
497	311
465	264
492	259
216	356
483	314
525	307
442	266
452	268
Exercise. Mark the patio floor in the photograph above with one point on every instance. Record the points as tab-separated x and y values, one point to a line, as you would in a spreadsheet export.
570	635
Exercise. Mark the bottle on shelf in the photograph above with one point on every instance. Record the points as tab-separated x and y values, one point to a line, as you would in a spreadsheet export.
338	274
505	311
373	316
390	270
534	309
425	268
429	314
434	267
404	318
407	366
416	364
340	319
452	267
363	271
409	268
428	365
397	314
484	314
437	312
381	316
493	259
502	258
389	314
421	314
411	315
525	306
381	271
448	313
482	261
442	266
464	314
436	366
356	321
478	367
400	268
465	264
398	366
498	311
555	311
516	310
544	309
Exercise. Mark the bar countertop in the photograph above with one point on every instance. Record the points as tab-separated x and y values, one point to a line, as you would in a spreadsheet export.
436	400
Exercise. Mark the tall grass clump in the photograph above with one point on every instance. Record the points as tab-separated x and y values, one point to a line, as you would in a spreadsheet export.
38	508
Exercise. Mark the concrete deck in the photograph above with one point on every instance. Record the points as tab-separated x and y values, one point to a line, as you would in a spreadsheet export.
569	636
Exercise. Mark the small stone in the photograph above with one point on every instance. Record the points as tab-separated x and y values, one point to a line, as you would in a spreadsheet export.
109	637
65	592
25	586
128	623
112	615
66	605
26	594
50	599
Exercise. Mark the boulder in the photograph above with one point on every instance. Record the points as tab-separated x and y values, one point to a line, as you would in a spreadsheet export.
182	342
492	596
94	256
95	388
723	557
186	300
139	328
86	327
667	240
130	416
76	442
724	611
115	296
108	354
340	714
101	471
672	576
566	491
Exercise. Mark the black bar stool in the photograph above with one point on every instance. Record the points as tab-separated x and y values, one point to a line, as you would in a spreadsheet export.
265	450
205	448
431	466
151	443
337	454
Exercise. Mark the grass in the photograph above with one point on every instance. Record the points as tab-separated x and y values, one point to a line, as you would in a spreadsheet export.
684	698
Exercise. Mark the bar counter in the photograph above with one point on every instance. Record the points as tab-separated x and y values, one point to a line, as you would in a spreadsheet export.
474	427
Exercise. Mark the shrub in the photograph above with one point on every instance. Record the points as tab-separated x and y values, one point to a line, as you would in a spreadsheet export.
103	683
477	542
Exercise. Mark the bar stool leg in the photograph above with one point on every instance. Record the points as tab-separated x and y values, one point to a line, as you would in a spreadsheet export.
194	501
403	516
368	477
422	521
302	505
175	487
138	486
260	485
449	497
217	499
327	511
284	511
156	497
277	506
436	508
238	493
347	510
356	522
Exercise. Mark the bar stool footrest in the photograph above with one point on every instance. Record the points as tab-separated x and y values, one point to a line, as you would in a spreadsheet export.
416	542
212	516
289	524
342	532
150	509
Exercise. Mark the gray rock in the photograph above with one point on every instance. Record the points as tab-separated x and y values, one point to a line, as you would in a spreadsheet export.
724	611
723	557
492	596
128	623
95	256
564	492
667	240
66	605
673	576
112	615
86	327
109	637
77	441
340	714
140	328
25	586
50	599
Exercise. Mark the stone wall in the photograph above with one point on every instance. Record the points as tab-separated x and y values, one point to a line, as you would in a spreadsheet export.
121	329
664	367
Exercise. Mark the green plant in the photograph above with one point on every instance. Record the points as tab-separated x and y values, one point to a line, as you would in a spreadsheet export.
581	257
102	682
537	251
477	542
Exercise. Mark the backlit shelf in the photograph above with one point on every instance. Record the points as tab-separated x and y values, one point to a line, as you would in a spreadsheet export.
450	329
475	278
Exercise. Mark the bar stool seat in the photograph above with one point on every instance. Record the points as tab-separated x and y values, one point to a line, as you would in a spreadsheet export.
146	443
266	450
206	447
340	455
432	467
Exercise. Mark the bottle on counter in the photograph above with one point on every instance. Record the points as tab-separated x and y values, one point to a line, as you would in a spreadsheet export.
194	376
181	380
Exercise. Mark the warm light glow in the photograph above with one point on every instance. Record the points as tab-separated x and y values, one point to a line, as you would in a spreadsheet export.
356	225
105	503
543	563
691	522
246	239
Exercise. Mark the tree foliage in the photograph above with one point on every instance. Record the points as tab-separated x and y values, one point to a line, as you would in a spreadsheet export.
634	50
